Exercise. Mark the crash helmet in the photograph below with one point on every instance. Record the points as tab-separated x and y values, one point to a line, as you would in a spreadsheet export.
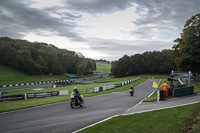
75	89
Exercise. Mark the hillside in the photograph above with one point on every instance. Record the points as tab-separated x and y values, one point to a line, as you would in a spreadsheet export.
103	67
36	58
10	76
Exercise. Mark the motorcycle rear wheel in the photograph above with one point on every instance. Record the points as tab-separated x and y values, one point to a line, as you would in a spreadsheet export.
82	103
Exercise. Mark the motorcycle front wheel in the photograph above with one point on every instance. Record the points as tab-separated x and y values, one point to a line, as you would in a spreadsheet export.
72	103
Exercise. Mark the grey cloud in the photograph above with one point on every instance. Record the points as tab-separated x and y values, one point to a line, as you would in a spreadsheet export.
98	6
164	18
177	10
168	17
63	15
22	19
116	48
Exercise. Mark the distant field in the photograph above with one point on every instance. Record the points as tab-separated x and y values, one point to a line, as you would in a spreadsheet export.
103	67
10	76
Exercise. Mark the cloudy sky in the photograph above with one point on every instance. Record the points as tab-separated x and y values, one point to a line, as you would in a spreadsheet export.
99	29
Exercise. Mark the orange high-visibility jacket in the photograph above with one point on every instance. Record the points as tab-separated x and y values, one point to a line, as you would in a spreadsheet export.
164	86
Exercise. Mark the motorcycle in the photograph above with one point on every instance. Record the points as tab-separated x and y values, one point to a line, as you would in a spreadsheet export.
131	92
76	100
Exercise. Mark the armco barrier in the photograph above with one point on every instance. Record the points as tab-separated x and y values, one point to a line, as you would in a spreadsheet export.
183	91
118	85
98	89
32	95
13	97
42	94
43	82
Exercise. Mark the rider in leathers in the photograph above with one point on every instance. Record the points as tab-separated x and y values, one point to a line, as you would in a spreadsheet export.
77	93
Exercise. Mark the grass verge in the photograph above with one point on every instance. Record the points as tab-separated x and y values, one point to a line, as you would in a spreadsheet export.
171	120
153	97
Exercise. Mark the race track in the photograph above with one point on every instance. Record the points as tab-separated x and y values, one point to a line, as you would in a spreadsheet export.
60	118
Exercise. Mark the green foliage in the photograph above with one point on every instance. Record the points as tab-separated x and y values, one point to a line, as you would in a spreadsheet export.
121	67
147	63
187	48
41	58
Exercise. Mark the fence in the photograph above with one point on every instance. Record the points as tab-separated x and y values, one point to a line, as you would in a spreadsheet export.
103	88
183	91
42	82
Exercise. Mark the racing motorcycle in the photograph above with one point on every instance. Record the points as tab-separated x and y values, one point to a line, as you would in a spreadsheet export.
131	92
76	100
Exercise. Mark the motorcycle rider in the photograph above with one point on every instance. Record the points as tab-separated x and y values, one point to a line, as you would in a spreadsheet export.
132	88
77	93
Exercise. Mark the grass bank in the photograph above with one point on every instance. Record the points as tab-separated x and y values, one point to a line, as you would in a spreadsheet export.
103	67
10	76
173	120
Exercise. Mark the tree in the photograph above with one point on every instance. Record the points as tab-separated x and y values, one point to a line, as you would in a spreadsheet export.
147	63
41	58
188	46
136	64
121	67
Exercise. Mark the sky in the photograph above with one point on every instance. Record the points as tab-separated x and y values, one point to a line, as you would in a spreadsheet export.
99	29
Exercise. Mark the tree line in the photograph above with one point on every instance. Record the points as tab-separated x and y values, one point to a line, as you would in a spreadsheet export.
184	55
41	58
147	63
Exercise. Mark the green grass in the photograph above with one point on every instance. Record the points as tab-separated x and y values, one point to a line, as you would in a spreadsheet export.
196	86
10	76
21	104
15	105
162	121
103	67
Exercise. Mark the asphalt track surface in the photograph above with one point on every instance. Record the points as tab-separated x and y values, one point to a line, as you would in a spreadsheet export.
60	118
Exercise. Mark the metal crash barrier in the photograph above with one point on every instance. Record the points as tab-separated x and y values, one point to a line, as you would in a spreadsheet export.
183	91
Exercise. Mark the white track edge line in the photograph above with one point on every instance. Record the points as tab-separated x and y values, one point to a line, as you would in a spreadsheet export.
173	106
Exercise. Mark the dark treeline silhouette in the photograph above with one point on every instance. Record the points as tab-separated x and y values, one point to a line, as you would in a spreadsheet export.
147	63
41	58
102	61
